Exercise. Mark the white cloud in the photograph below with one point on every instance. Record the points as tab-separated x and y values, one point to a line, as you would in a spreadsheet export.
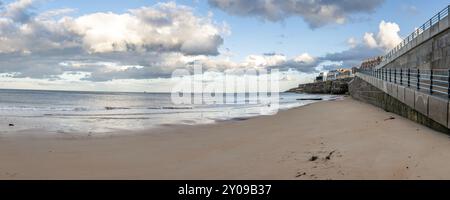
305	58
17	10
370	40
164	27
158	38
263	61
352	42
387	38
389	35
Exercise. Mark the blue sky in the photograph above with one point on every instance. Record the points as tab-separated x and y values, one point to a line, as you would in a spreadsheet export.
241	35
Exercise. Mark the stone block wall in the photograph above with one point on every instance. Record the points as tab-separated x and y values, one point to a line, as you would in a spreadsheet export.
433	112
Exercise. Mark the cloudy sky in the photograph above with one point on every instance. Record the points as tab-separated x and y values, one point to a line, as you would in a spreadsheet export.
135	45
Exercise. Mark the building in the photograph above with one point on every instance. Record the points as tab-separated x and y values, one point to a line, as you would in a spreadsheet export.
320	78
344	73
339	74
371	63
332	75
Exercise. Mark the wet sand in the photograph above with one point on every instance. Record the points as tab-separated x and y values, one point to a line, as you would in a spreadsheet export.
329	140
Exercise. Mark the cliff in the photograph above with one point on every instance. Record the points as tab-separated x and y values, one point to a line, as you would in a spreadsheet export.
339	86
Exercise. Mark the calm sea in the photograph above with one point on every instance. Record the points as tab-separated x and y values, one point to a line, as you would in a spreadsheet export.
104	112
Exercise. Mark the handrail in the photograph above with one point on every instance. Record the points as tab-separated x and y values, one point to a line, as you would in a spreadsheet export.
436	82
427	25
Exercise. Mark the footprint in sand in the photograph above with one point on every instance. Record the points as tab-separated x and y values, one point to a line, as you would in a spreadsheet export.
11	175
322	161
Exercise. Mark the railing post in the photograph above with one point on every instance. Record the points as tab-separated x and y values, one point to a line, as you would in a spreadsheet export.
409	77
431	81
386	74
390	75
395	75
418	79
448	81
401	76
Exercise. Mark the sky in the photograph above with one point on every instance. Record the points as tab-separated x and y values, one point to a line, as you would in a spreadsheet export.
135	45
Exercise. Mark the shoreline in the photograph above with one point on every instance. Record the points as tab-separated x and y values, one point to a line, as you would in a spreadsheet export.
63	134
343	139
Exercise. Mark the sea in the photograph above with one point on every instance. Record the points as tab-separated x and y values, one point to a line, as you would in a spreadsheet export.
97	113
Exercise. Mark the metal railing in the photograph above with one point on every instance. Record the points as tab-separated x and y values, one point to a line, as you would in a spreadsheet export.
434	20
434	82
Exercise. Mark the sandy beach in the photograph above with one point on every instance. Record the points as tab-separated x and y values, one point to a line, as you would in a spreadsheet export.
329	140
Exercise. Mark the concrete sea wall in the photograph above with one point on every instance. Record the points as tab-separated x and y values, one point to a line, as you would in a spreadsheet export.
427	110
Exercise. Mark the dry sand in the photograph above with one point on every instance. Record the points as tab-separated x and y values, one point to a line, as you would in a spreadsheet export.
350	139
